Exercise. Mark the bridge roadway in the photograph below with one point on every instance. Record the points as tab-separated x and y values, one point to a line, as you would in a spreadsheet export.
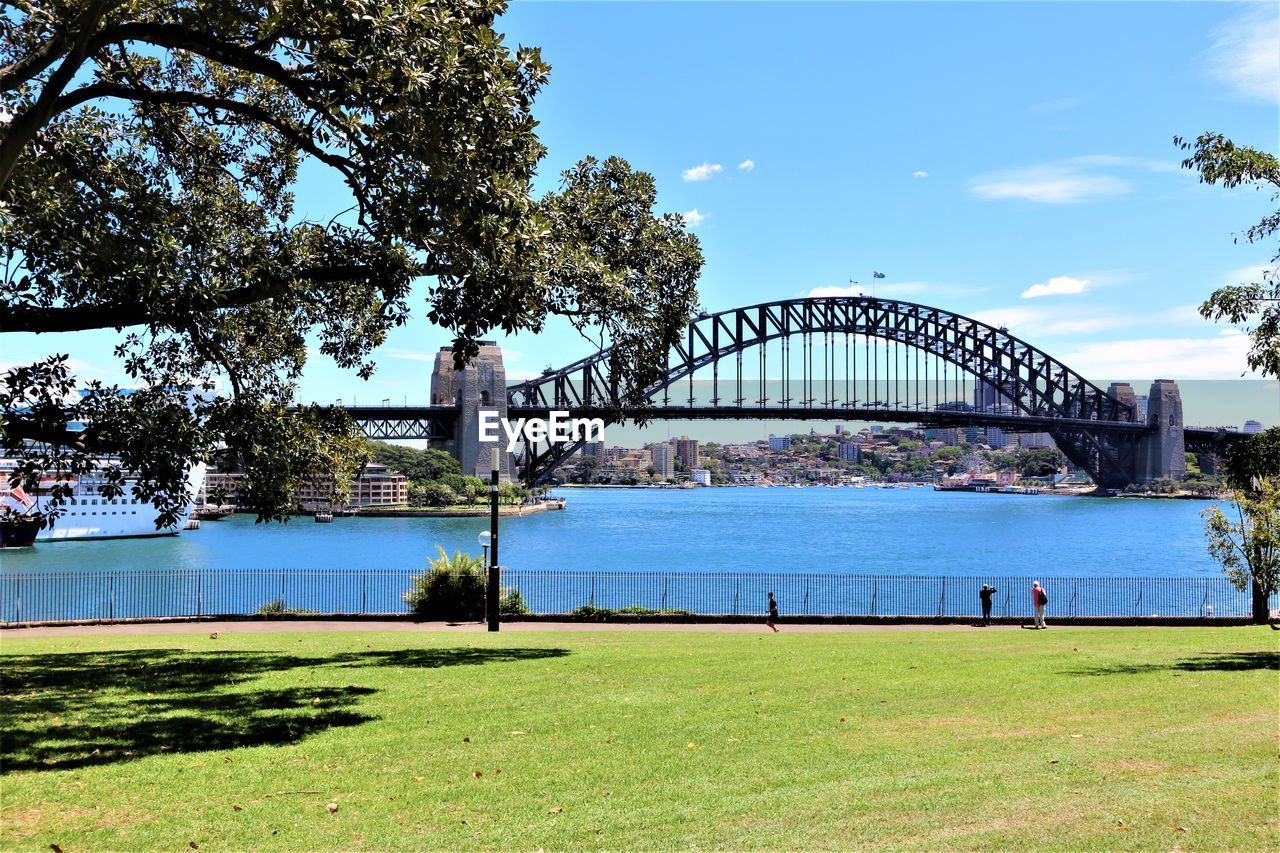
438	422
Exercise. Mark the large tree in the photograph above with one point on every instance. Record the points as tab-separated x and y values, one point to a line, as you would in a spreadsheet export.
1253	304
149	156
1248	547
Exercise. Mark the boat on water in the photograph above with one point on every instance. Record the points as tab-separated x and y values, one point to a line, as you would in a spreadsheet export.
87	514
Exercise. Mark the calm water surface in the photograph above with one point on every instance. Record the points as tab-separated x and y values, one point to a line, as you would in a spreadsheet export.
839	531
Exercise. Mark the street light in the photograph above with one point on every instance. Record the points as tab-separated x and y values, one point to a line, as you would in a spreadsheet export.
484	538
492	597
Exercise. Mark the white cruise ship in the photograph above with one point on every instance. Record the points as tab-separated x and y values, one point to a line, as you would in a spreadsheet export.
89	515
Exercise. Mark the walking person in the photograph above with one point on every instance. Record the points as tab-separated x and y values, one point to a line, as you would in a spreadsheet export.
1039	598
985	595
773	613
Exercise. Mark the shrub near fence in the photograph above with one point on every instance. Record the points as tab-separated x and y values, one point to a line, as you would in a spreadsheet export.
73	596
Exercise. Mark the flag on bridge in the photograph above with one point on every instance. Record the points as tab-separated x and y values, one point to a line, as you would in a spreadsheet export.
877	275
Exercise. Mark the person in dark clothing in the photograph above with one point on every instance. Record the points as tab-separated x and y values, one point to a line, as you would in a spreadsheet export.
773	613
985	595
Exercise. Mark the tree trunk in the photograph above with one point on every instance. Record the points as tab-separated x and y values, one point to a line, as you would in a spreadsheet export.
1261	613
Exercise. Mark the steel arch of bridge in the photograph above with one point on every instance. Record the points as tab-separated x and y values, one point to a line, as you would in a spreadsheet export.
1035	384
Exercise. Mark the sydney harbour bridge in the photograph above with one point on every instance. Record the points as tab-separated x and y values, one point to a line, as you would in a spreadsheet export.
848	358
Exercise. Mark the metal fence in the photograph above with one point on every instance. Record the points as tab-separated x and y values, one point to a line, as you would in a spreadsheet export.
71	596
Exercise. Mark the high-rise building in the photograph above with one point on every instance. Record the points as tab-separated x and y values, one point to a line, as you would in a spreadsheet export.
987	395
839	429
700	477
664	460
687	451
594	449
949	436
974	435
1035	439
779	442
1252	427
997	438
850	452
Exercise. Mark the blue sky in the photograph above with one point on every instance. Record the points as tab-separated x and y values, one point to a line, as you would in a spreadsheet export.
979	154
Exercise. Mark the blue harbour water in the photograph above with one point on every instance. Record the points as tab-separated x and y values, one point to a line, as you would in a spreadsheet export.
909	552
867	531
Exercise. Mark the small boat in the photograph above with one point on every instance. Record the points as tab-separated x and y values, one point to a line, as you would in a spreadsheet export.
324	518
212	512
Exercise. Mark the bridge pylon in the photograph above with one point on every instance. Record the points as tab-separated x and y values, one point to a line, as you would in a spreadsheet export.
480	386
1162	452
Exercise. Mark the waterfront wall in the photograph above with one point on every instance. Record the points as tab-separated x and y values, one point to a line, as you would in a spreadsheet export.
107	596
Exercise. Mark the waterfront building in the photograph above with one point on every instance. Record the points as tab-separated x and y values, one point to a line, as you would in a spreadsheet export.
1252	427
664	460
850	452
779	442
687	451
594	449
1036	439
378	485
700	476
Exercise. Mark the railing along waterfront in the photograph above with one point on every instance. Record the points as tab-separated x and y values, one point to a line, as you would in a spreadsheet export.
74	596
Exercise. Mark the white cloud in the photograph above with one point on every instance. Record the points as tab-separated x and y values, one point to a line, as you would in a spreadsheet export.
1030	323
747	165
835	290
694	218
1246	54
701	173
1221	357
1056	286
920	174
1062	183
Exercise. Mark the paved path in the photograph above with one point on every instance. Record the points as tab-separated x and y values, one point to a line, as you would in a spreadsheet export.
326	626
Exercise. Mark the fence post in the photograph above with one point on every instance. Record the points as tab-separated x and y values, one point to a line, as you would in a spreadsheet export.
591	599
875	589
1137	608
942	602
665	580
806	595
364	593
199	595
111	596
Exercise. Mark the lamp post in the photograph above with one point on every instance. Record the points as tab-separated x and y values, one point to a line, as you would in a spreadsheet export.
491	599
483	539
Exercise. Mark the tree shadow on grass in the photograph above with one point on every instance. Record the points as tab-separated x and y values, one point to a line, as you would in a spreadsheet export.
1209	662
62	711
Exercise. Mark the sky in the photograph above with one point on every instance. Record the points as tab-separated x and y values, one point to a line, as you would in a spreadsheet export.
1012	162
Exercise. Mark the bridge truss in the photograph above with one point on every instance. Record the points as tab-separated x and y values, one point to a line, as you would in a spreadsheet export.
852	358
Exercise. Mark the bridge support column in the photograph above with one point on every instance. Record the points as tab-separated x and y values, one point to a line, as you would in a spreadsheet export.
1162	453
480	386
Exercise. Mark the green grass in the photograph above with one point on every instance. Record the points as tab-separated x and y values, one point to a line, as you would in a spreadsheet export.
1105	738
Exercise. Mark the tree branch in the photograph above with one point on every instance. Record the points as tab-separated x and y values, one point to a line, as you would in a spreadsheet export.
105	89
39	319
24	126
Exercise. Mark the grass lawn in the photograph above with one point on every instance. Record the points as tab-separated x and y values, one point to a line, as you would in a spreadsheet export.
1112	738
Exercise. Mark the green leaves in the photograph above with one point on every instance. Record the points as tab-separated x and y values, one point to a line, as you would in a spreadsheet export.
146	184
1254	305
